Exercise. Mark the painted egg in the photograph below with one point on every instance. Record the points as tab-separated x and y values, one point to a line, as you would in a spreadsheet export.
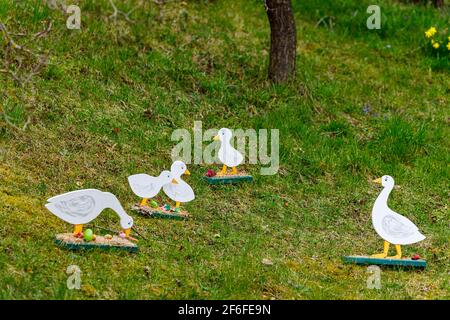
154	204
415	257
177	210
88	235
167	207
108	236
210	173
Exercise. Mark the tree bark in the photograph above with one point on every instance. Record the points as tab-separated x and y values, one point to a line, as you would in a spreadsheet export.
436	3
283	40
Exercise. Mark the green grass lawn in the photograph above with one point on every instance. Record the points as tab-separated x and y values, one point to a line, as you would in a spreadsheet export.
364	103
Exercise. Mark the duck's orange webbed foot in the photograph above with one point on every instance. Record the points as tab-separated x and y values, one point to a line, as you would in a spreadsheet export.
222	172
385	251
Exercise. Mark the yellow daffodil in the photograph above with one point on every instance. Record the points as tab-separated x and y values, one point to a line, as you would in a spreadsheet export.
448	46
436	45
430	32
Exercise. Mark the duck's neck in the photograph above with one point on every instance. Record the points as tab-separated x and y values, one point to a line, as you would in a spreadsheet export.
120	211
226	145
178	178
382	199
115	205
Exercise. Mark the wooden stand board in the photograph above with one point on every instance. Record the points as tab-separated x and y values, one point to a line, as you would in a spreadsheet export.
228	179
160	213
69	241
365	260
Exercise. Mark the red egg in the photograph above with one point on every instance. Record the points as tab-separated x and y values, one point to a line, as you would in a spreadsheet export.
210	173
415	257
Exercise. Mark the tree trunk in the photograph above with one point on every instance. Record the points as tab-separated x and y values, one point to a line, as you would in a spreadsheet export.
283	40
436	3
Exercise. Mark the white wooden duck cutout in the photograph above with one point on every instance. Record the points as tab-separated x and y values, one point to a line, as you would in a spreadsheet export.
391	226
82	206
146	186
178	190
229	156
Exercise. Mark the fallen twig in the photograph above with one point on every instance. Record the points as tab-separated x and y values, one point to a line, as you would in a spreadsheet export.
8	121
15	77
37	68
44	32
9	41
323	20
12	46
118	12
140	235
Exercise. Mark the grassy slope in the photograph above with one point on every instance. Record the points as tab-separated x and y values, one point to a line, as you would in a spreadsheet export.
103	109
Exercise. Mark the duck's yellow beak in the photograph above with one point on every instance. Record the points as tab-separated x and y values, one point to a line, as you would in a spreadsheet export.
127	232
216	138
187	172
174	181
377	180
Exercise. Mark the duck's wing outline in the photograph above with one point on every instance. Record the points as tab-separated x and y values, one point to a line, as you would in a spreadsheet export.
69	194
144	185
397	226
77	207
181	192
238	157
230	156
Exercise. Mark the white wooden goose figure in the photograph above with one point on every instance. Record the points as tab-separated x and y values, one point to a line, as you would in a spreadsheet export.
82	206
229	156
391	226
146	186
178	190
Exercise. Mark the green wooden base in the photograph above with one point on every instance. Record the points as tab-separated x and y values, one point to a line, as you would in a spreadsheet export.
92	245
163	215
155	213
228	179
364	260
